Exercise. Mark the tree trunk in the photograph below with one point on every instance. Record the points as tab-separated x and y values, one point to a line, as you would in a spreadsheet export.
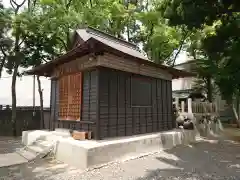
209	89
17	63
14	101
237	109
235	115
41	102
1	66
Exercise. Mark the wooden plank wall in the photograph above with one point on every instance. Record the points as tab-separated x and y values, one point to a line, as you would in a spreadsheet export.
89	96
116	115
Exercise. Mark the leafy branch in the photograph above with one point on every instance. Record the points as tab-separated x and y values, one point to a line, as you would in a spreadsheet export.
182	41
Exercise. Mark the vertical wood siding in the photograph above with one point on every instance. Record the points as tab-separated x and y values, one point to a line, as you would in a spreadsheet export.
106	102
117	117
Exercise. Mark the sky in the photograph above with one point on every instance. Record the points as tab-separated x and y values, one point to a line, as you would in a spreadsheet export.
24	85
7	2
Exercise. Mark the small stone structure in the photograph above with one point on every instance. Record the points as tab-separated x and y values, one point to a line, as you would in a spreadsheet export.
92	153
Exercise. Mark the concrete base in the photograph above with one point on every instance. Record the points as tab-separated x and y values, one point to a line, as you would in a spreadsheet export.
90	153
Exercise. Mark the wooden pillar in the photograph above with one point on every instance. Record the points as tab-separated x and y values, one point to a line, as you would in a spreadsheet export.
177	102
53	103
97	134
183	106
189	105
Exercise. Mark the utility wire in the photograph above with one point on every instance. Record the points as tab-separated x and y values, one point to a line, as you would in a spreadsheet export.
6	77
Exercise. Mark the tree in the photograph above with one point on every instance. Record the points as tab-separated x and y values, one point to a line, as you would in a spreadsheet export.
11	50
161	42
5	41
40	44
39	48
226	56
220	45
43	30
16	46
47	29
196	14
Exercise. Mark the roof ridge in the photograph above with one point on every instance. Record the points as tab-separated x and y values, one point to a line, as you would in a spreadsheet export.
89	28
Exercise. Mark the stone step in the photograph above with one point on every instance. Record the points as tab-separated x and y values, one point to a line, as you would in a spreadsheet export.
43	144
26	154
38	149
35	149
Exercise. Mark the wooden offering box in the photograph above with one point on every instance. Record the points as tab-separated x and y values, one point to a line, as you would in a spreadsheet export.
81	135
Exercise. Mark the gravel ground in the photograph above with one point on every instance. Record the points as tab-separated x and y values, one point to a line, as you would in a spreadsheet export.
204	160
9	144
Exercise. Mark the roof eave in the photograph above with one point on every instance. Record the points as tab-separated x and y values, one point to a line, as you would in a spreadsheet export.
176	73
79	51
90	46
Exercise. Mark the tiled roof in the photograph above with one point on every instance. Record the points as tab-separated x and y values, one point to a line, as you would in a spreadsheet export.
111	41
106	43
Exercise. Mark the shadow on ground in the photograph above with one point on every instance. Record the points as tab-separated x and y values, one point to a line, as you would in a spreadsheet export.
208	159
42	169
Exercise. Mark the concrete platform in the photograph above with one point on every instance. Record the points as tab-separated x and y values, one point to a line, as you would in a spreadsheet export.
91	153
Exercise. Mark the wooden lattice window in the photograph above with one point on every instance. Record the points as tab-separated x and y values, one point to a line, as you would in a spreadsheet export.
70	97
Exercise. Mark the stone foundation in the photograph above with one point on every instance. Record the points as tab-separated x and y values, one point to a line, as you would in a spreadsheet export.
90	153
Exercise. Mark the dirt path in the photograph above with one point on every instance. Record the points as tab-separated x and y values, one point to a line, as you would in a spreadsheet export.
204	160
232	133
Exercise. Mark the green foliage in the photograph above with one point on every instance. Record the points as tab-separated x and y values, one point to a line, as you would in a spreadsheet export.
45	28
6	42
216	42
158	39
196	14
161	44
226	56
52	22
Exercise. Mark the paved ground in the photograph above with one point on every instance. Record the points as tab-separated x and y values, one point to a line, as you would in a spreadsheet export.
11	159
9	144
205	160
8	156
